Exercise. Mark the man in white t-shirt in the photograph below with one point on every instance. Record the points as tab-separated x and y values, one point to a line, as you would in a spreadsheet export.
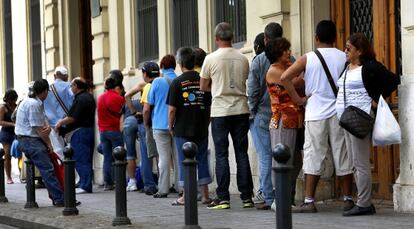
323	134
225	72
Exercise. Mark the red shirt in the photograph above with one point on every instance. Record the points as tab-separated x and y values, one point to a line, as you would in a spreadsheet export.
109	110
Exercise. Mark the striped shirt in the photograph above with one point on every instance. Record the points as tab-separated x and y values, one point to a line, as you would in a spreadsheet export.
30	114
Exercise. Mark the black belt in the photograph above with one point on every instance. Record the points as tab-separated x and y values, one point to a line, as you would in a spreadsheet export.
24	136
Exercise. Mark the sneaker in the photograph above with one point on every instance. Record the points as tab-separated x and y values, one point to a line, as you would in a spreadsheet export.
80	191
357	210
131	187
348	205
217	204
273	206
109	187
305	208
248	203
259	198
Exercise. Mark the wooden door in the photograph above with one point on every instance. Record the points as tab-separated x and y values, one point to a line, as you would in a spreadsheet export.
377	19
85	40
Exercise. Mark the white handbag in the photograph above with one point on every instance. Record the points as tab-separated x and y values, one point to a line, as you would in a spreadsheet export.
386	129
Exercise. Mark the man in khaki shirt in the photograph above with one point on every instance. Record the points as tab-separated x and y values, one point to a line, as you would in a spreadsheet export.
224	73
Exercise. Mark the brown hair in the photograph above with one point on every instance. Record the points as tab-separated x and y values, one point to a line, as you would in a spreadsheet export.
168	61
362	44
274	48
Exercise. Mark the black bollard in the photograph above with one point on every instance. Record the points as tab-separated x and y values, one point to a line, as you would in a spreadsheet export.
69	192
281	154
190	185
30	185
3	198
121	217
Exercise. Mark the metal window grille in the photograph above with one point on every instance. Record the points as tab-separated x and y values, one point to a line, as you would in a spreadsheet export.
146	30
36	45
8	38
233	12
185	23
361	17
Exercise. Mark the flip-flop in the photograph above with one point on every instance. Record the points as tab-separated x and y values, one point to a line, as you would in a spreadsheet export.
10	181
177	203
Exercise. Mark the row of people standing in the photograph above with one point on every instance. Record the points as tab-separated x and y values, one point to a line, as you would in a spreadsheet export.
305	83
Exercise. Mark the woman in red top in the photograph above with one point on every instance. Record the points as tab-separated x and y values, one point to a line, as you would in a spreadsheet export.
286	123
109	109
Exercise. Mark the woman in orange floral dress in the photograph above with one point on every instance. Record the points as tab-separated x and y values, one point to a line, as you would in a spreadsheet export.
286	123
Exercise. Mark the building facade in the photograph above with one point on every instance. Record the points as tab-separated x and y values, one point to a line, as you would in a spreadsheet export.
91	37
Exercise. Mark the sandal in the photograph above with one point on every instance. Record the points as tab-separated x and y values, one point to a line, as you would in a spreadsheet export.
10	181
206	201
160	195
177	203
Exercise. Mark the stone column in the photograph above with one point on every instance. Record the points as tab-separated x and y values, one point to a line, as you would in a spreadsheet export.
404	186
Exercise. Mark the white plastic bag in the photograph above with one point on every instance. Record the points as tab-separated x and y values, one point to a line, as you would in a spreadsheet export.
386	129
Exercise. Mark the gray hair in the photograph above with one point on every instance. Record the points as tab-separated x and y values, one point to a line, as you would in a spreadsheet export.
224	32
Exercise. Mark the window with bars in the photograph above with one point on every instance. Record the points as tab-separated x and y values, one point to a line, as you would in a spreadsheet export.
146	30
233	12
185	24
361	17
36	45
8	38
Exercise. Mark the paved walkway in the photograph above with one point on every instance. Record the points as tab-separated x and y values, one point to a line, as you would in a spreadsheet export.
98	210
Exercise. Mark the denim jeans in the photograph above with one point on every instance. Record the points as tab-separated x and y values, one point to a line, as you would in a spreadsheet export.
237	126
36	150
201	157
109	140
259	128
83	143
146	163
130	133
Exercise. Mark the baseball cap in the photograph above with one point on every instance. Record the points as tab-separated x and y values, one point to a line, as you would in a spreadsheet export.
151	68
61	69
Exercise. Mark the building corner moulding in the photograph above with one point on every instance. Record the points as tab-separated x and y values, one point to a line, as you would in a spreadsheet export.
280	14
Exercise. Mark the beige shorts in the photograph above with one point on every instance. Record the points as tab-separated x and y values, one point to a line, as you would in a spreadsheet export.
323	137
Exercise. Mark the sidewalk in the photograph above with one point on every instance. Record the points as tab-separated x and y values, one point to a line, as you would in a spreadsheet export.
98	210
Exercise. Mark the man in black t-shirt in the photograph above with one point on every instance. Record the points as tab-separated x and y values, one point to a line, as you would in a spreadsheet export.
80	124
189	117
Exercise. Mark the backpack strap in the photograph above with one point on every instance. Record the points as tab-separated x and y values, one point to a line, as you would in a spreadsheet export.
65	109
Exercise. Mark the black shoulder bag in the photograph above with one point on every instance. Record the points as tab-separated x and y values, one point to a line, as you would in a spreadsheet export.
354	120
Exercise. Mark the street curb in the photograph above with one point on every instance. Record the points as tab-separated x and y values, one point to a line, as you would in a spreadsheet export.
23	224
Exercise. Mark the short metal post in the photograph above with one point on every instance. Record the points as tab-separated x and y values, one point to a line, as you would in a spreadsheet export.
3	198
30	184
190	185
69	190
121	217
281	154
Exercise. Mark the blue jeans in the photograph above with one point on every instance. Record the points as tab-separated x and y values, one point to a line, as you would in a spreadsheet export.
259	128
36	150
130	133
83	143
201	157
237	126
146	163
109	140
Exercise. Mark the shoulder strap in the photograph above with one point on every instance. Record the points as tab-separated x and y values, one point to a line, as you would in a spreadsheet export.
65	109
328	73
